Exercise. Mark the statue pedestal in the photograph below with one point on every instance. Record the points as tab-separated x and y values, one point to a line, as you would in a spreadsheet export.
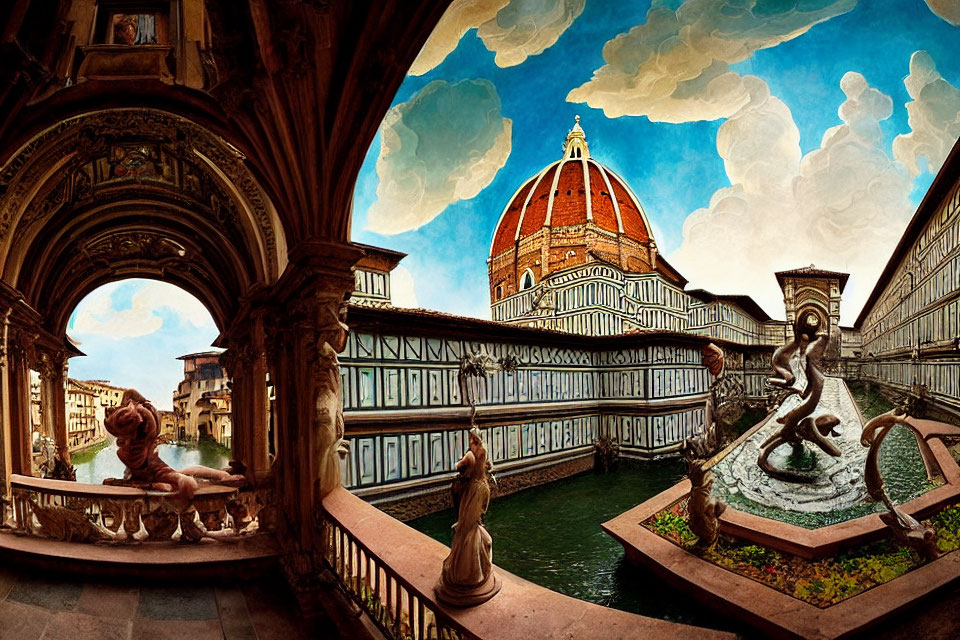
467	596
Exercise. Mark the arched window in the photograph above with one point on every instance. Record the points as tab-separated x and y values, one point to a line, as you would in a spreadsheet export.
499	291
526	280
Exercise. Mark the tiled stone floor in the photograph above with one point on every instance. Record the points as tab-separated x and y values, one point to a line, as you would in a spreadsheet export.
43	607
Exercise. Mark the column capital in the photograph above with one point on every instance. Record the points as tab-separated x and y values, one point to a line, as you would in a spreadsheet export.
51	364
316	268
22	342
315	320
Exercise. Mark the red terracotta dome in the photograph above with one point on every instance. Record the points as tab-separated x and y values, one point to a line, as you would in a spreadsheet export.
573	191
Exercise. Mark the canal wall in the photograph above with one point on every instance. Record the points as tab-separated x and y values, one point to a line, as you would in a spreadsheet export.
406	424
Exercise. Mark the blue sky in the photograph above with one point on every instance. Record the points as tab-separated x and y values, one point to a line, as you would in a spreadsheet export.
466	133
674	167
132	332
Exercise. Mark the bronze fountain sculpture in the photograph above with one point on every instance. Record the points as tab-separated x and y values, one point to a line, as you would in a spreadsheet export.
810	341
906	529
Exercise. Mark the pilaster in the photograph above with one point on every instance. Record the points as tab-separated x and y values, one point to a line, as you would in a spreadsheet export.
246	364
53	407
304	334
6	453
21	355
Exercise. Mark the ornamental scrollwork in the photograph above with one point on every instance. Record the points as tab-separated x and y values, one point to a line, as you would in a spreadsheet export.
128	144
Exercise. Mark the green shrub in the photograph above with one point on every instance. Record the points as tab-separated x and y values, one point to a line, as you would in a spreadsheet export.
670	525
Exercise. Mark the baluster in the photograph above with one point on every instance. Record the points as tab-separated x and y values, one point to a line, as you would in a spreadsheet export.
380	602
369	580
348	559
358	567
399	605
410	613
421	626
388	599
364	566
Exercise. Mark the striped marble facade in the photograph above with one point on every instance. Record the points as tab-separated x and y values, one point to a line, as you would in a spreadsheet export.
405	418
600	299
382	458
726	321
910	327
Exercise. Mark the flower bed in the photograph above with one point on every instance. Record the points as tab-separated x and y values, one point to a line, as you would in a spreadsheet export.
822	582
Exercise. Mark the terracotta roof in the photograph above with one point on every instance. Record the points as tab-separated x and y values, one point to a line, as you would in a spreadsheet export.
378	257
559	199
432	323
812	272
201	354
670	271
744	302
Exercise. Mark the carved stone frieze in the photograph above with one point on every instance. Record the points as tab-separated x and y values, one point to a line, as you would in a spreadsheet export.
139	245
131	142
65	524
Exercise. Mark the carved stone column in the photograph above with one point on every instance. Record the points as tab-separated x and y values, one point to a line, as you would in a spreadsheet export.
308	407
6	453
53	405
303	340
20	355
246	365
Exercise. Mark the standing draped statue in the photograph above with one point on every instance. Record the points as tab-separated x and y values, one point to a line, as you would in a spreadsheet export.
467	577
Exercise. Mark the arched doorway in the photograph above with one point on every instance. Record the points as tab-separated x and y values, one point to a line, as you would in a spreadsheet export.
156	338
118	194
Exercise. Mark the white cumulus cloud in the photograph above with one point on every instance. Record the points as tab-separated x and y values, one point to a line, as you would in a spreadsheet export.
676	66
512	29
933	114
402	290
527	27
949	10
842	206
460	17
445	144
97	313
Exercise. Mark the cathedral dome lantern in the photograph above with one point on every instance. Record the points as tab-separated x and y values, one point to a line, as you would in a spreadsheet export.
572	212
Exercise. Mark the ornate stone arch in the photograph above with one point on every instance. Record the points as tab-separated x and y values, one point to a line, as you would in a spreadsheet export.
134	192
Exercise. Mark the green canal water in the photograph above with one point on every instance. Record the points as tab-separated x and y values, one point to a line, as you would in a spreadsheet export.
551	535
96	464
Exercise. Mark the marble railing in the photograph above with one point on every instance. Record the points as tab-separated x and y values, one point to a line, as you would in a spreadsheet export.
399	608
79	512
390	571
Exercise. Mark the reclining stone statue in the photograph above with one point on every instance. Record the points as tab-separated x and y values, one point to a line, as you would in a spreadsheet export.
136	426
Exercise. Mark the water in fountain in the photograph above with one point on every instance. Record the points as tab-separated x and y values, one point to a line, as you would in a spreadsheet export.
839	493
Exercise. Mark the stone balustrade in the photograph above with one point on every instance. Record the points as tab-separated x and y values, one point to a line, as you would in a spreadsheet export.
390	571
79	512
398	607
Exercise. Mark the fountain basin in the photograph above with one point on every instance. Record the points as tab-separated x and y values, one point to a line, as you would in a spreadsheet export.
772	611
838	493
